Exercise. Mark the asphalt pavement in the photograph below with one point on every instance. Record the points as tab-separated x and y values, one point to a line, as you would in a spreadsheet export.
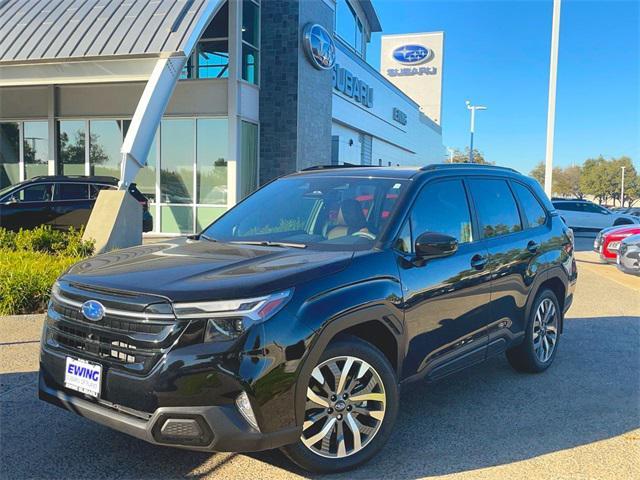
578	420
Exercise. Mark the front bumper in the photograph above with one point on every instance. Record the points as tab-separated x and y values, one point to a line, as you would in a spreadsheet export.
213	428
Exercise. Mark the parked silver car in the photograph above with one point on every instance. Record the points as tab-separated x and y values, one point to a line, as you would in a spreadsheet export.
629	255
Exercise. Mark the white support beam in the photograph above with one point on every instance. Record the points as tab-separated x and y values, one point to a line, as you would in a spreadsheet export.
147	116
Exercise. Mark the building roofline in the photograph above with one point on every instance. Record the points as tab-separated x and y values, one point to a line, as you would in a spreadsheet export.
372	16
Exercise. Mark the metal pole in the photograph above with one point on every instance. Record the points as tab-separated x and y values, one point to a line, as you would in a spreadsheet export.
473	126
622	189
551	112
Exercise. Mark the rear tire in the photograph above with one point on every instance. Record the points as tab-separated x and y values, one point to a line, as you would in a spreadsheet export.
538	350
342	432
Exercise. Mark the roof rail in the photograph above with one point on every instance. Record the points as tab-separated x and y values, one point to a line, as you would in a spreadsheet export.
329	167
82	177
453	166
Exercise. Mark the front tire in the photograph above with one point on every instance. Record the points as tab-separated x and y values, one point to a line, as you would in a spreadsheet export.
538	350
351	407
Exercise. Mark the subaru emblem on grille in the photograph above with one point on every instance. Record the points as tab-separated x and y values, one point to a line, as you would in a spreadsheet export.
93	310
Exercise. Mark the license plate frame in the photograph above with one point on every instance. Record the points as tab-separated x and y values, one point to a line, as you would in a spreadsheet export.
83	376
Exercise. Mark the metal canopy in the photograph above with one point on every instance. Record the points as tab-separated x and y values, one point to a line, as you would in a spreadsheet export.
85	41
77	29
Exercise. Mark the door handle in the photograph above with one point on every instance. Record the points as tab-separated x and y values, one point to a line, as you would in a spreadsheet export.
533	246
479	261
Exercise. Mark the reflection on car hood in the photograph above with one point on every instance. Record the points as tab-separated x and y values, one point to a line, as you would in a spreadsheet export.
185	270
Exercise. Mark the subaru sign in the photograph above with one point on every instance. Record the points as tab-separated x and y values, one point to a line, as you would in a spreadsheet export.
319	46
412	54
93	310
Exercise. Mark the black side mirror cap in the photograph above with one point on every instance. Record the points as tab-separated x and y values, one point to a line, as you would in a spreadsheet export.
434	245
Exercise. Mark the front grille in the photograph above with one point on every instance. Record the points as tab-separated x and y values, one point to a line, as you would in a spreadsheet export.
123	339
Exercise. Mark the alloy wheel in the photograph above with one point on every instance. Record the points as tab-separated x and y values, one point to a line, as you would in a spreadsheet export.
545	330
345	407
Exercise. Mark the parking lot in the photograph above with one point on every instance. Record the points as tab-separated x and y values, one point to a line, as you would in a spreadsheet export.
580	419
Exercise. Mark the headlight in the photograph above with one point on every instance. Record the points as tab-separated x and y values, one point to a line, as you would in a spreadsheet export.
228	319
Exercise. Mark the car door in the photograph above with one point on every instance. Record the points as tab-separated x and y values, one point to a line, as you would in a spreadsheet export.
569	211
27	208
446	299
599	217
513	249
71	205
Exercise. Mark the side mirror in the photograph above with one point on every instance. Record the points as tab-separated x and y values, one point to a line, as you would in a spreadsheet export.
11	200
434	245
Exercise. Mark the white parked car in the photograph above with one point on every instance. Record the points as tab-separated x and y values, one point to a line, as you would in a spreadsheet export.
583	215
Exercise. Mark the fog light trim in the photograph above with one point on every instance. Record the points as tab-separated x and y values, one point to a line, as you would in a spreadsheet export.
244	407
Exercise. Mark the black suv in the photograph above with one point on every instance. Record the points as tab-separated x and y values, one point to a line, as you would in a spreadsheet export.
293	319
59	201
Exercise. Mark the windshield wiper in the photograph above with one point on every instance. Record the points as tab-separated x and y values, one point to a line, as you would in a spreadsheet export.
207	238
266	243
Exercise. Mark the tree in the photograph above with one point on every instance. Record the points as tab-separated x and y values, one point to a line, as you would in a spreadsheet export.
567	182
594	178
463	157
538	173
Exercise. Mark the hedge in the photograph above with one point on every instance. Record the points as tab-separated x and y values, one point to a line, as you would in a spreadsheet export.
31	261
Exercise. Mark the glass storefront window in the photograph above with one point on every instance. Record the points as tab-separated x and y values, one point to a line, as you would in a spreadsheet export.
36	149
250	41
250	22
146	178
206	215
176	219
211	157
211	56
177	140
249	159
71	147
105	142
9	154
213	59
349	27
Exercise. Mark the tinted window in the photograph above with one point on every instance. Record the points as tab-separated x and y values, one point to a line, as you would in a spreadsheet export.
567	206
442	207
496	207
403	243
532	209
71	191
35	193
593	208
94	190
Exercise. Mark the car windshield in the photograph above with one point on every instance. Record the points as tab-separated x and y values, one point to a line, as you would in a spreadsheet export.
326	212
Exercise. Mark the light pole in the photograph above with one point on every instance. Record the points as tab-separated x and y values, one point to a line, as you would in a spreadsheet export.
450	150
551	110
622	188
472	109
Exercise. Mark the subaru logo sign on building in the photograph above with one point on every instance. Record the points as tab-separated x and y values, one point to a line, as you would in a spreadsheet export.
93	310
413	63
412	54
319	46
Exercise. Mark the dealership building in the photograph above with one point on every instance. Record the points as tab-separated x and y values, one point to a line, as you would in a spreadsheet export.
267	88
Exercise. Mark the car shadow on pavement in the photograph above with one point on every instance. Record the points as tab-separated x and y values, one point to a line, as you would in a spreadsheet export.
485	416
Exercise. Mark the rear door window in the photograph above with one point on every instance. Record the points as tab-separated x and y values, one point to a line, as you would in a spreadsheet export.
531	207
35	193
497	209
72	191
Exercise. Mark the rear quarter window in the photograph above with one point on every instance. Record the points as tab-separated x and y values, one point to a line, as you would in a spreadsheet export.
532	209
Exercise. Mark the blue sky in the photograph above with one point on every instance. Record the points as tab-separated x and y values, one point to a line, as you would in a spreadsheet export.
497	54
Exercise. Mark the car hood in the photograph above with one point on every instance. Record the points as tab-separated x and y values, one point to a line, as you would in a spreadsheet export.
186	270
621	231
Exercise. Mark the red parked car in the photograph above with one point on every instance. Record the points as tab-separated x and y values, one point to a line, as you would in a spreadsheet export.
608	241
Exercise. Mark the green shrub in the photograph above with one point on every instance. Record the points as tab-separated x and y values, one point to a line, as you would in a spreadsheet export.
26	279
45	239
30	261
